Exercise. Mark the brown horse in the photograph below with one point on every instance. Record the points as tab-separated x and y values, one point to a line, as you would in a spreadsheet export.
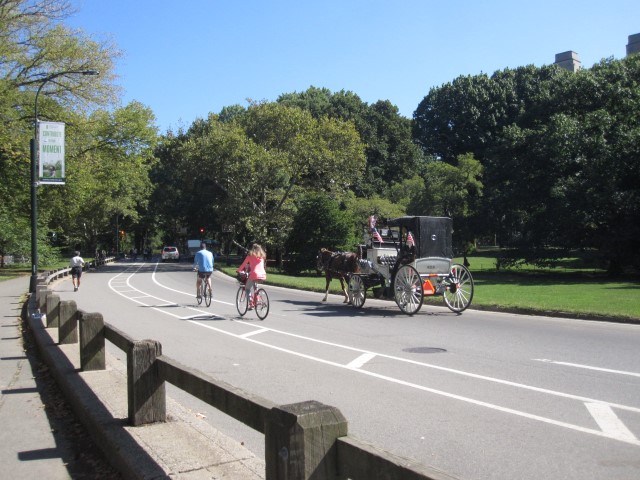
336	265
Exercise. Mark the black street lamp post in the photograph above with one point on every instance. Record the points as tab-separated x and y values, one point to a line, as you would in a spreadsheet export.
34	175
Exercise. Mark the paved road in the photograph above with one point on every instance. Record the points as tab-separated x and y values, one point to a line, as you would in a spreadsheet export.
480	396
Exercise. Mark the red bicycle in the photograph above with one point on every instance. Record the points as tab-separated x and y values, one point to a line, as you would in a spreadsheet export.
258	300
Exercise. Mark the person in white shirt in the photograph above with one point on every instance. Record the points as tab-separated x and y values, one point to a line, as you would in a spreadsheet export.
77	263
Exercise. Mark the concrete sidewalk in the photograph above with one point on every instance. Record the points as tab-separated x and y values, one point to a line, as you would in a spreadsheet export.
39	435
184	447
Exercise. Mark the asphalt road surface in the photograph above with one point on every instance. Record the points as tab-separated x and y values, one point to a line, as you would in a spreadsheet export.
479	395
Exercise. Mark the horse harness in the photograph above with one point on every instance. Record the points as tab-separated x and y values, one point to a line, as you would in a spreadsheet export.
327	264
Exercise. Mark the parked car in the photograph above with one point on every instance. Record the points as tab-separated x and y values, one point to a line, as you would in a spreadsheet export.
170	253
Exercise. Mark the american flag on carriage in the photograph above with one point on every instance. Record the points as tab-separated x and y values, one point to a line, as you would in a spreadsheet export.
376	236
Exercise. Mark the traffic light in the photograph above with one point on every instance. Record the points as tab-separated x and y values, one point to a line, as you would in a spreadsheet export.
121	234
201	230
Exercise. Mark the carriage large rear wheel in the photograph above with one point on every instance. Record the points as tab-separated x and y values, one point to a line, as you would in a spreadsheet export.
357	291
459	288
407	290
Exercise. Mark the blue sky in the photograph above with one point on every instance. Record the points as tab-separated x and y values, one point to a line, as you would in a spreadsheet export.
184	59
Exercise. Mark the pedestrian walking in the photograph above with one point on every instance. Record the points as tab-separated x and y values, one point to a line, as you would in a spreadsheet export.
77	263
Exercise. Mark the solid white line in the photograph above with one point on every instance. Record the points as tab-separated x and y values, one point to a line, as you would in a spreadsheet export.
588	367
609	422
153	277
361	360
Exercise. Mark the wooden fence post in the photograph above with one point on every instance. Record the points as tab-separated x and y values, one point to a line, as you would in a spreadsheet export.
92	356
145	387
300	441
68	329
41	296
53	310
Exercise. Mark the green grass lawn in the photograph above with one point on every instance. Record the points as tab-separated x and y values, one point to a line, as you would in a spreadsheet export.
568	293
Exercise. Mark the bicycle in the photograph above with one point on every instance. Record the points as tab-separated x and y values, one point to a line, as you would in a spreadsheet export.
204	293
258	300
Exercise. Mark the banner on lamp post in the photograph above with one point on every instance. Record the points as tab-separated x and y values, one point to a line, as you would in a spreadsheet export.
51	153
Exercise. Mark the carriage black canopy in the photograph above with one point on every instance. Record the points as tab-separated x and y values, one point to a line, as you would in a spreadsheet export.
432	235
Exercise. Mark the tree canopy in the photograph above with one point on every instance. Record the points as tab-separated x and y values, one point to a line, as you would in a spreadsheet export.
107	153
559	151
249	170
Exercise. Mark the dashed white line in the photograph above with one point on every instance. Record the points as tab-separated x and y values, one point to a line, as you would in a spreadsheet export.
609	422
361	360
255	332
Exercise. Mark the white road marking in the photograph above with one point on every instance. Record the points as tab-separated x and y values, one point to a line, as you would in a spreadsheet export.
158	308
607	432
473	401
361	360
255	332
609	422
588	367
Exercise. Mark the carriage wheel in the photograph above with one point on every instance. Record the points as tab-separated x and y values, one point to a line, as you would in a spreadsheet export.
459	288
407	289
357	291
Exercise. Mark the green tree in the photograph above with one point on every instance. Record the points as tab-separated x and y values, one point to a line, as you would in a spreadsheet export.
468	114
452	191
249	171
359	210
108	165
319	222
390	152
568	179
35	51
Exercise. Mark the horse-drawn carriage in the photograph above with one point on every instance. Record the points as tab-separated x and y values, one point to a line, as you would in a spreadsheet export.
409	260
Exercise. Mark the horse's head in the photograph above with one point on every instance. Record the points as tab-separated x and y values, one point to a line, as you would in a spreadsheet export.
321	260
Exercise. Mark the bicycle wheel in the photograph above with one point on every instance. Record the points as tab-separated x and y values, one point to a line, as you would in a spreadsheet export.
207	294
241	301
262	304
200	294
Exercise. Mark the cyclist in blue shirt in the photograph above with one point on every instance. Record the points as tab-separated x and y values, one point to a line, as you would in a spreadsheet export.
203	264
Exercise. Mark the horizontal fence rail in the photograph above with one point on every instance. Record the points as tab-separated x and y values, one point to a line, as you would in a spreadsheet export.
242	406
307	440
